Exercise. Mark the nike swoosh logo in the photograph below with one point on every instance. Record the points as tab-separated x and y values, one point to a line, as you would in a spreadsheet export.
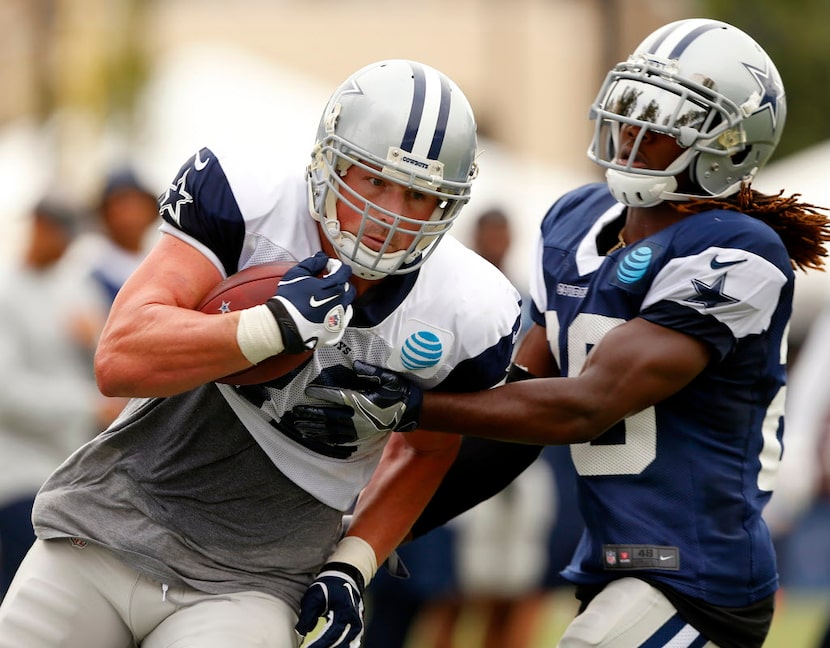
197	163
717	265
314	302
379	424
666	557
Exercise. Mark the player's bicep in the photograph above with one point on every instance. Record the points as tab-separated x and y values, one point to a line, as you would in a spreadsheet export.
174	273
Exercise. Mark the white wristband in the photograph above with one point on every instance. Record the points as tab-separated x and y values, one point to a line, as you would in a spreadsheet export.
257	334
359	553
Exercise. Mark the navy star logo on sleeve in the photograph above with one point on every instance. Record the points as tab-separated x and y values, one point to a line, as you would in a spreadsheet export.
710	296
175	197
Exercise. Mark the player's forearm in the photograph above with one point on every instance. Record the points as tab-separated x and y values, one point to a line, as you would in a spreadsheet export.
398	492
164	350
545	411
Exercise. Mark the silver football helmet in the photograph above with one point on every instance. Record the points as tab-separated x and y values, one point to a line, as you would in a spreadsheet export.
413	126
708	85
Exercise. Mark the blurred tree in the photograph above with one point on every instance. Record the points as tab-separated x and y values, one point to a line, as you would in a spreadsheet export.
128	69
793	33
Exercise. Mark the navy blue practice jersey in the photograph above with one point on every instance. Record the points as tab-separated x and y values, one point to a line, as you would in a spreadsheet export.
675	493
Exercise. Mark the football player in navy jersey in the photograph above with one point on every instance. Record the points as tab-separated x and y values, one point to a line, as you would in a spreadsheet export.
203	516
661	303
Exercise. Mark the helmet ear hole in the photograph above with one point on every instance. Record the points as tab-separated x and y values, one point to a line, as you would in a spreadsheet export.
741	156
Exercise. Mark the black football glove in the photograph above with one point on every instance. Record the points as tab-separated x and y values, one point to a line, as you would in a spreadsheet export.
385	402
337	595
311	310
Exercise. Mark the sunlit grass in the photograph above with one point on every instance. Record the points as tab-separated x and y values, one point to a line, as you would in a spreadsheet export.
799	622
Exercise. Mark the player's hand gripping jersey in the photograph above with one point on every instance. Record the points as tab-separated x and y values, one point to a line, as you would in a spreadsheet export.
450	326
726	279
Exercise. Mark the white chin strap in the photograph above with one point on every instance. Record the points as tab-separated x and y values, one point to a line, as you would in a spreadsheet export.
363	261
634	190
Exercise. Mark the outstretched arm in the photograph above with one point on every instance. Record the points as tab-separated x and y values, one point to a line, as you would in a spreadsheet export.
636	365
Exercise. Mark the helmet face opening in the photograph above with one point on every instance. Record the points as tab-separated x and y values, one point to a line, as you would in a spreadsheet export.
411	126
382	254
665	109
707	85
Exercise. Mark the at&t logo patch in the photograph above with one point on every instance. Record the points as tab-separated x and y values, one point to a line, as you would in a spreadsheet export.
635	268
421	348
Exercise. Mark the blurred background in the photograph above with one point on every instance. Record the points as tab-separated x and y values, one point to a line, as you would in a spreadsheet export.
89	84
92	86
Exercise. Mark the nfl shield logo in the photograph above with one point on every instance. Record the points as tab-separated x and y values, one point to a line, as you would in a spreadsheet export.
334	319
610	557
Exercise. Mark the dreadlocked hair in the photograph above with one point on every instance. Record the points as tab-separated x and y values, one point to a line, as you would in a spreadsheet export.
803	228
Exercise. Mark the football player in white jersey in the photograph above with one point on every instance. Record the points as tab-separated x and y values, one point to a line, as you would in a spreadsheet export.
662	299
203	516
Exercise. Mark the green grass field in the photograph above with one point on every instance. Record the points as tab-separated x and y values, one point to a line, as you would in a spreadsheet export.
800	620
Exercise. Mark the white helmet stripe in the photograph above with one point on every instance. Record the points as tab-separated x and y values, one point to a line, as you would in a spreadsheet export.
428	115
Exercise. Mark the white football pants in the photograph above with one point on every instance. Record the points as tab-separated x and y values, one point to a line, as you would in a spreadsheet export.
630	613
68	596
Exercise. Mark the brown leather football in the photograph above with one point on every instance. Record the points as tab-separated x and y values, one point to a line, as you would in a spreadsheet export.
251	287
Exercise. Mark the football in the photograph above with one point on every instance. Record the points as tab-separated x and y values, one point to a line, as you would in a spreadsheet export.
251	287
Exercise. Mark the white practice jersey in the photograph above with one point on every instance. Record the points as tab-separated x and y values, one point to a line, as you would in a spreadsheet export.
232	452
456	316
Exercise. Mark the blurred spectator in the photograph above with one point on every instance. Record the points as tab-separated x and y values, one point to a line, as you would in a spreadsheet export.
492	238
799	511
49	403
127	209
394	604
507	554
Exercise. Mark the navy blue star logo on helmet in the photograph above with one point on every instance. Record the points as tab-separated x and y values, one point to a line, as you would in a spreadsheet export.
770	88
